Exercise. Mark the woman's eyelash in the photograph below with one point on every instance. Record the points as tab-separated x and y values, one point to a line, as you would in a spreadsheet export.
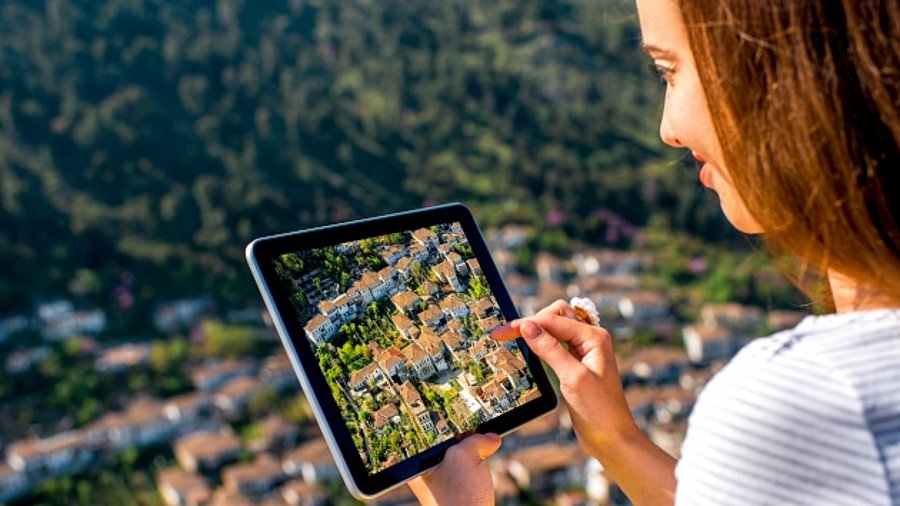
659	72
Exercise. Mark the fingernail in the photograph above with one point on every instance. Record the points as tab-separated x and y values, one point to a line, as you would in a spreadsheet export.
495	437
530	330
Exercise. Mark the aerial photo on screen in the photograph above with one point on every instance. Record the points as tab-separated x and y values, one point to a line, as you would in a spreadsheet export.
399	324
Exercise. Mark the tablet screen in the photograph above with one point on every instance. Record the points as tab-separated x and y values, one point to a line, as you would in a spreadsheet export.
399	326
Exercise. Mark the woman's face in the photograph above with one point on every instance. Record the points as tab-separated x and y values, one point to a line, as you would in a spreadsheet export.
686	121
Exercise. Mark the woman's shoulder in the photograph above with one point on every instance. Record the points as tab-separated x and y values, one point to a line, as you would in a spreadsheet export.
847	347
810	407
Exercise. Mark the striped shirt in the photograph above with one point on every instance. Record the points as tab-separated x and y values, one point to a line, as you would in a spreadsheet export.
807	416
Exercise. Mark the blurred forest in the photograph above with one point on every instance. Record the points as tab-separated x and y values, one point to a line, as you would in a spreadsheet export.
151	140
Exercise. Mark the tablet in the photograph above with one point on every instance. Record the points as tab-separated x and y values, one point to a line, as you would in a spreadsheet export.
386	324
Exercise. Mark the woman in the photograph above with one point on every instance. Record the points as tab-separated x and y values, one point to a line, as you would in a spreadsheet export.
793	110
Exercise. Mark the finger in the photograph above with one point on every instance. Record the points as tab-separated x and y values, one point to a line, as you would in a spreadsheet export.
559	308
505	333
547	347
481	445
475	447
577	334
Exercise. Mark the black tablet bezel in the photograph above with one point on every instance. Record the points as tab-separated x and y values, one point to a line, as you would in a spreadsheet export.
264	250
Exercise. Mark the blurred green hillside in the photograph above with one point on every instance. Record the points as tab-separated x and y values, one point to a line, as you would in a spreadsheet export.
156	138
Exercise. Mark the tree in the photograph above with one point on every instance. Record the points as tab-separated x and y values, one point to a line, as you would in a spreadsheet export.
226	340
478	288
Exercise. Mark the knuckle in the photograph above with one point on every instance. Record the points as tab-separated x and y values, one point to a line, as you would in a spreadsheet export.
603	335
557	307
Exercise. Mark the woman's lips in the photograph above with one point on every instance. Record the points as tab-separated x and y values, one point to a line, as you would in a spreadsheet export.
706	175
705	170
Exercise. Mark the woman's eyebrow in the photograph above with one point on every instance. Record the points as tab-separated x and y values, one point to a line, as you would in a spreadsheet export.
657	51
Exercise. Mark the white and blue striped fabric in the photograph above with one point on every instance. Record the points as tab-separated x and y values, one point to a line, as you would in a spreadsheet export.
807	416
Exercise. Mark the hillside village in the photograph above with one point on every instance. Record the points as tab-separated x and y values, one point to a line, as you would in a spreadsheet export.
231	435
406	344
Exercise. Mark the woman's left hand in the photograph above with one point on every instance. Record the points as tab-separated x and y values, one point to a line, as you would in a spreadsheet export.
463	478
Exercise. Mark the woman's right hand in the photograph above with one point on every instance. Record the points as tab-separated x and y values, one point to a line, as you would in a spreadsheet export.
586	367
590	386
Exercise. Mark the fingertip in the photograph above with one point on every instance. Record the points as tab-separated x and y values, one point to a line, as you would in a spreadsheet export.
505	332
530	330
489	445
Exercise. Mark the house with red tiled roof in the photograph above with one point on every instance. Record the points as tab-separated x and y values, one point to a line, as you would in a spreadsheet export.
447	273
454	307
211	376
458	263
488	324
453	342
360	378
707	344
494	394
276	433
253	478
122	357
419	360
142	423
392	362
420	253
429	289
508	367
338	308
484	308
434	347
482	347
404	268
426	237
64	453
207	450
233	398
301	493
459	327
182	488
474	267
359	294
442	427
223	497
548	468
731	315
390	277
187	407
384	416
644	306
277	372
406	302
640	400
392	254
371	281
657	364
405	326
312	461
319	329
432	316
414	403
444	249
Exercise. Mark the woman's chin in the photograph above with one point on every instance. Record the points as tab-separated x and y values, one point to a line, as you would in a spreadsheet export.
741	219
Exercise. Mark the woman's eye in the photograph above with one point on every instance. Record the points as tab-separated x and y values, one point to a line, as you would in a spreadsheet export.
659	72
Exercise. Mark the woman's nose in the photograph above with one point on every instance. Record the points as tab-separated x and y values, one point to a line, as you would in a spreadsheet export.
666	133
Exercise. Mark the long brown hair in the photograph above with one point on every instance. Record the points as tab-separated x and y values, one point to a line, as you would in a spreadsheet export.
805	98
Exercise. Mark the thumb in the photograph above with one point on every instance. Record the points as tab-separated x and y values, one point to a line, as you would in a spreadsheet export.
476	447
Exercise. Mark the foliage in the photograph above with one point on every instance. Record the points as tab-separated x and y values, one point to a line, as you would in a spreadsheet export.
157	138
225	340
